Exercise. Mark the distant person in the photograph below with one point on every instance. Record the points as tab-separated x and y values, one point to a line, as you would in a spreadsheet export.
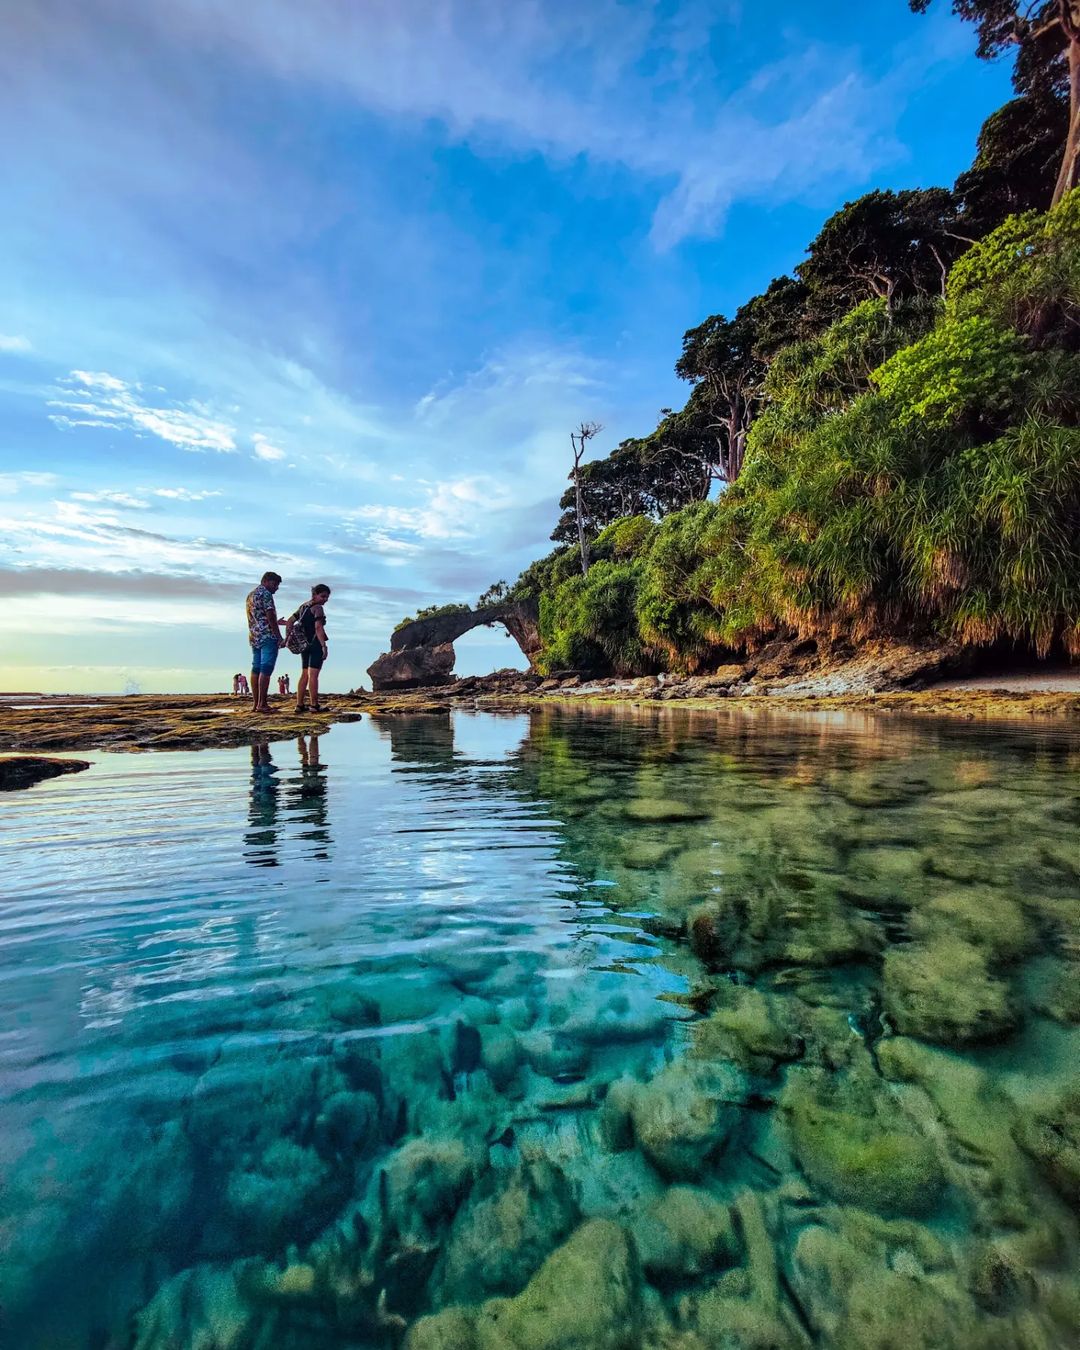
285	680
281	686
263	625
236	685
309	625
244	688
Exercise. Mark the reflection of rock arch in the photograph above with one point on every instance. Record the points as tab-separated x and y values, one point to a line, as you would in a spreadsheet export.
422	652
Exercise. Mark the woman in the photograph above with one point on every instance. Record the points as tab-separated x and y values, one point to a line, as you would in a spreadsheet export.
311	619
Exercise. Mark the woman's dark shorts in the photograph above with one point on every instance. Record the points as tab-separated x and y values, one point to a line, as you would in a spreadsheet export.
312	658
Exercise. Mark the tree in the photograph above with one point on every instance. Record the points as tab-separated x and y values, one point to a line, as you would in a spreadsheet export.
884	244
579	440
1046	35
720	360
1016	163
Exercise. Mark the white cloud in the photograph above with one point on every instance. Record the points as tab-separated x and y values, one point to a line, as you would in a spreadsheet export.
264	450
10	483
183	494
110	498
610	81
97	399
15	344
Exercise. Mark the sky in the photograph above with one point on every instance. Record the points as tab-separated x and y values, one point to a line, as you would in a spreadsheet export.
323	287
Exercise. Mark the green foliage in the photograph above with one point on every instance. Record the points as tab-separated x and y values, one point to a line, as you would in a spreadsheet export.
432	612
913	467
625	538
587	622
965	368
494	595
1025	275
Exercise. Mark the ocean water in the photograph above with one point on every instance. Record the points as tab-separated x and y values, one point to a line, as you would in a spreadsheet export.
578	1029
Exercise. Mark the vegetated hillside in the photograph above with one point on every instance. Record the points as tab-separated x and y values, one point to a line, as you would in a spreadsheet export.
895	429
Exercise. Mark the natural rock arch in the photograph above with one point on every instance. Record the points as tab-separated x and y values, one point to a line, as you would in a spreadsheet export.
422	652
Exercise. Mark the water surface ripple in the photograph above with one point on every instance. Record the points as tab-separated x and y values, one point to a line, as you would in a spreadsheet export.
577	1029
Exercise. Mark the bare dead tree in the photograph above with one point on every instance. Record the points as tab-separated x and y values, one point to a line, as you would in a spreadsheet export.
579	440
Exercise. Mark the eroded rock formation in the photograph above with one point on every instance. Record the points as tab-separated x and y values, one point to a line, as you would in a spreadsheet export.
422	652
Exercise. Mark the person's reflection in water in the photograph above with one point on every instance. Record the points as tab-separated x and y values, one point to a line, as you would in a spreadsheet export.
262	835
312	801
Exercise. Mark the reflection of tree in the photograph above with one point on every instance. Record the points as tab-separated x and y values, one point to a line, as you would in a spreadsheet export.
260	841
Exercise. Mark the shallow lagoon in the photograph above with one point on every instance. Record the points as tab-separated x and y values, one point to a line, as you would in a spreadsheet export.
582	1029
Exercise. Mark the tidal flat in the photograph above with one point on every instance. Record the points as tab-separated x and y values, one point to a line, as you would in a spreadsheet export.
580	1028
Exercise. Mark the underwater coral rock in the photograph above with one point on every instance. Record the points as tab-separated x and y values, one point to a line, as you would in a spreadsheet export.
944	991
503	1232
685	1115
860	1159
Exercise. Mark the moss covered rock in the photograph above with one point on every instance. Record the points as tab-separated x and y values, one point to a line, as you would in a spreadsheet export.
1052	1137
861	1157
661	810
944	991
685	1115
586	1296
504	1231
683	1234
745	1027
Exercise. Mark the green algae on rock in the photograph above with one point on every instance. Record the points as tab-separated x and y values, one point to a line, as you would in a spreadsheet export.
867	1158
945	991
685	1115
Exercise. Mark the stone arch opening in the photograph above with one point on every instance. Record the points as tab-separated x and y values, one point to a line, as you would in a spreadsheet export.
422	652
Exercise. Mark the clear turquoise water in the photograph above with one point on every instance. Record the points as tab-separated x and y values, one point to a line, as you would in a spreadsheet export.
578	1029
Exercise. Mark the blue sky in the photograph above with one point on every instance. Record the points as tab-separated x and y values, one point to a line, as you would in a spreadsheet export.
324	286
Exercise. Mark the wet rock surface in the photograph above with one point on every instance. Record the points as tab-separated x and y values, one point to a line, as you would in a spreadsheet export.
24	771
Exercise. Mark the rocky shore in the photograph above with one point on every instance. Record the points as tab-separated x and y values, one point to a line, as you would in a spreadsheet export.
198	721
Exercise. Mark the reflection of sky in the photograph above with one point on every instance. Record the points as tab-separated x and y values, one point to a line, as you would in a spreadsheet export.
147	903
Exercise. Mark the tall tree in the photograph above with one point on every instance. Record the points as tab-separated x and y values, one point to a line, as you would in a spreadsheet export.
719	357
579	441
1046	36
1016	164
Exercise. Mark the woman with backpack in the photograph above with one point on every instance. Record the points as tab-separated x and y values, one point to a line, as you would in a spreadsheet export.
305	634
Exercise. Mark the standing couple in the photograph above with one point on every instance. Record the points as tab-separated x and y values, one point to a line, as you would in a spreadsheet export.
305	635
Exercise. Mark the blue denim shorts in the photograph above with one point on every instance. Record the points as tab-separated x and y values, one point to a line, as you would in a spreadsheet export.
264	657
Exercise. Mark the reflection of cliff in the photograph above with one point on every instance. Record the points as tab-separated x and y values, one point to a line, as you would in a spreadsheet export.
425	740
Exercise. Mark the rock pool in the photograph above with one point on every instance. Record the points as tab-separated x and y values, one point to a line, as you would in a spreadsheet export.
585	1028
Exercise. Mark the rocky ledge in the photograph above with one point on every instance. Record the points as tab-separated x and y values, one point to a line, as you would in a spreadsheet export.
23	771
151	722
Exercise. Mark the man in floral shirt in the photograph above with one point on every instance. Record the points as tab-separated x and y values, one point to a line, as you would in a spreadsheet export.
263	624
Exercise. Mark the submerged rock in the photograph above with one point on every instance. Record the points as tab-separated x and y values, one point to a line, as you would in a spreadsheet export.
944	991
748	1028
586	1296
684	1234
1051	1136
506	1228
662	810
684	1116
861	1158
279	1194
422	1185
199	1309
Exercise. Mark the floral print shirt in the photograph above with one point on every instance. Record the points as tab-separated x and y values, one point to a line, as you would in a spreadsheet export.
260	616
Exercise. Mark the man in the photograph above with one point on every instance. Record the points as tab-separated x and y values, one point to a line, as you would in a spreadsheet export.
263	625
